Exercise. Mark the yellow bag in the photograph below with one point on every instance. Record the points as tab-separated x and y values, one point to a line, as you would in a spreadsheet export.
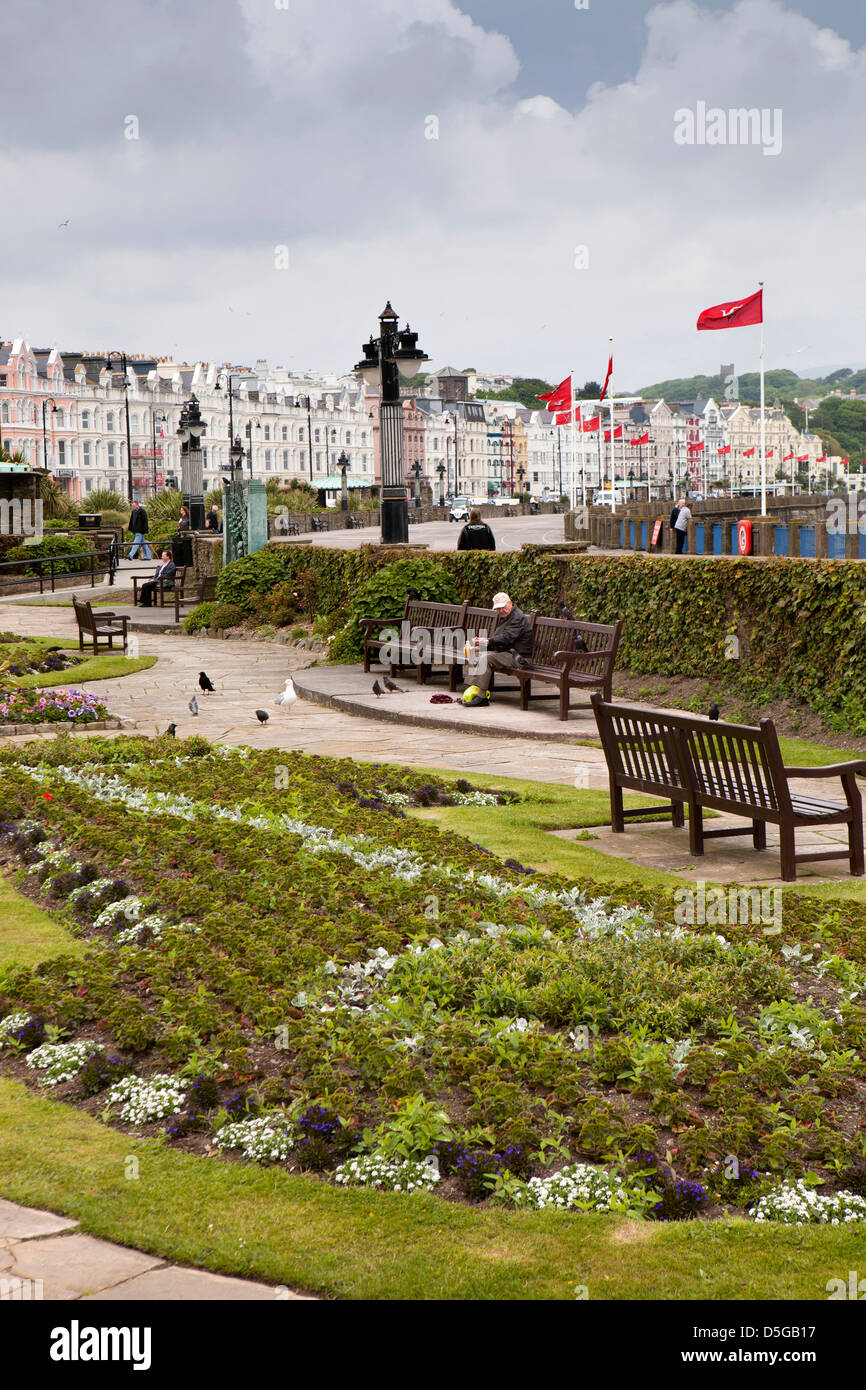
470	692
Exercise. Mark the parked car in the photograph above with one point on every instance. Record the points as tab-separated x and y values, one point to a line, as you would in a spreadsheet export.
460	509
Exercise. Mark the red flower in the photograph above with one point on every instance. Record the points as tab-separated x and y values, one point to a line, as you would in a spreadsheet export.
46	796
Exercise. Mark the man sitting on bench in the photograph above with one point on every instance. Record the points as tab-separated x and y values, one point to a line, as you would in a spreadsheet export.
165	572
511	639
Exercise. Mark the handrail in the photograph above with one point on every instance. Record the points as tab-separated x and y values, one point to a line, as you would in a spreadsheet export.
53	573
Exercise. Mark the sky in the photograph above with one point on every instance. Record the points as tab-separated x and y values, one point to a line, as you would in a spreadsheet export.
243	179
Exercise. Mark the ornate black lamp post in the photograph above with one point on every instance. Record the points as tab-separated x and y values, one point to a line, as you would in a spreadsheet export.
163	419
303	402
343	464
385	358
190	432
249	434
416	488
122	356
49	400
441	471
236	454
521	474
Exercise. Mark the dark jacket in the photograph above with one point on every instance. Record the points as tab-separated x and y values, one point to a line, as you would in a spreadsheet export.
138	522
476	536
168	573
212	522
183	523
512	634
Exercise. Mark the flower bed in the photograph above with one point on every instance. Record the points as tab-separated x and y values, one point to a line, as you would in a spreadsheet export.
297	968
50	707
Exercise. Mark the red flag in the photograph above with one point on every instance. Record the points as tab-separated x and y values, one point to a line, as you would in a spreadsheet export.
802	458
787	458
748	453
846	460
617	434
559	397
592	424
607	378
822	459
736	313
725	450
768	454
565	417
641	439
696	448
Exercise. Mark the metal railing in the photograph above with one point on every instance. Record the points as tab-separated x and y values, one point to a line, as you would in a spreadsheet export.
40	562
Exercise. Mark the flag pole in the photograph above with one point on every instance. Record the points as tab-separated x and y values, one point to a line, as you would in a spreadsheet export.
612	440
572	451
763	422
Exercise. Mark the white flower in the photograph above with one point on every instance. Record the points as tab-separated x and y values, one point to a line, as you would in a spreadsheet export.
59	1061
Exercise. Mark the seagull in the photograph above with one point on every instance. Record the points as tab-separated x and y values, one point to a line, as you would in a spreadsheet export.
377	689
390	685
262	716
287	696
63	224
205	683
171	730
193	705
714	711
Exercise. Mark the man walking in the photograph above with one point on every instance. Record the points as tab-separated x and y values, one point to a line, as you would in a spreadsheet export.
138	525
510	641
476	534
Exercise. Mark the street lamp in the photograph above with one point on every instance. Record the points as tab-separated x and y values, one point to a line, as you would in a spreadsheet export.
249	434
219	387
236	454
441	471
343	464
302	402
416	469
122	356
48	400
521	474
386	358
153	419
190	430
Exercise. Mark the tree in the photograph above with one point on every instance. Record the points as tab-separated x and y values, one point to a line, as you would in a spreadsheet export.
590	391
525	390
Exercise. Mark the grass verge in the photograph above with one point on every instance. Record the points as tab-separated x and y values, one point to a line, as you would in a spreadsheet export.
27	934
241	1219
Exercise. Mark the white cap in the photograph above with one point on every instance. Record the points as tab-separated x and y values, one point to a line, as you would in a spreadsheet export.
500	600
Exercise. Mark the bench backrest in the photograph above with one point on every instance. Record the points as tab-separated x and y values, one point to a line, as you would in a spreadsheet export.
83	614
480	621
551	635
730	766
425	613
639	744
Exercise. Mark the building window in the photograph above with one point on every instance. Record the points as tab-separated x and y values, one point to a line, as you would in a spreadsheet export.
112	462
303	457
363	436
268	460
61	452
109	422
318	461
317	437
85	419
301	434
88	484
267	431
85	453
134	424
285	460
285	432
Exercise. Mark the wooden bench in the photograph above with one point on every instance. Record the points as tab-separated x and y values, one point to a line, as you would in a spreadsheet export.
424	618
163	586
571	655
108	625
703	764
192	596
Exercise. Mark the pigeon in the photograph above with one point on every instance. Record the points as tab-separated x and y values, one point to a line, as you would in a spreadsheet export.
171	730
287	696
714	711
205	683
63	224
262	716
392	686
412	593
565	612
193	705
377	689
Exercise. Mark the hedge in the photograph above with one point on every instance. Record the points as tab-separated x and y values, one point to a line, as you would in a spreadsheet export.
782	627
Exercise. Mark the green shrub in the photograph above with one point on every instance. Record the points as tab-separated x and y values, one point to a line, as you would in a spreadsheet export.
200	617
278	608
74	549
225	615
103	500
383	596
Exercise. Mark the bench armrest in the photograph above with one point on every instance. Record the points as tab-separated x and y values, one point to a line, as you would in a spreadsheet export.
828	770
368	623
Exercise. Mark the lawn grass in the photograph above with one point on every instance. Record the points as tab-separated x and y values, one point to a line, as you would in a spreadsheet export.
27	934
105	666
263	1223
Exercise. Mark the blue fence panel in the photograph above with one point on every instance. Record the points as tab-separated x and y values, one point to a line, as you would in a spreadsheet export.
780	541
862	539
699	538
717	538
631	528
807	542
734	538
643	535
836	545
622	534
